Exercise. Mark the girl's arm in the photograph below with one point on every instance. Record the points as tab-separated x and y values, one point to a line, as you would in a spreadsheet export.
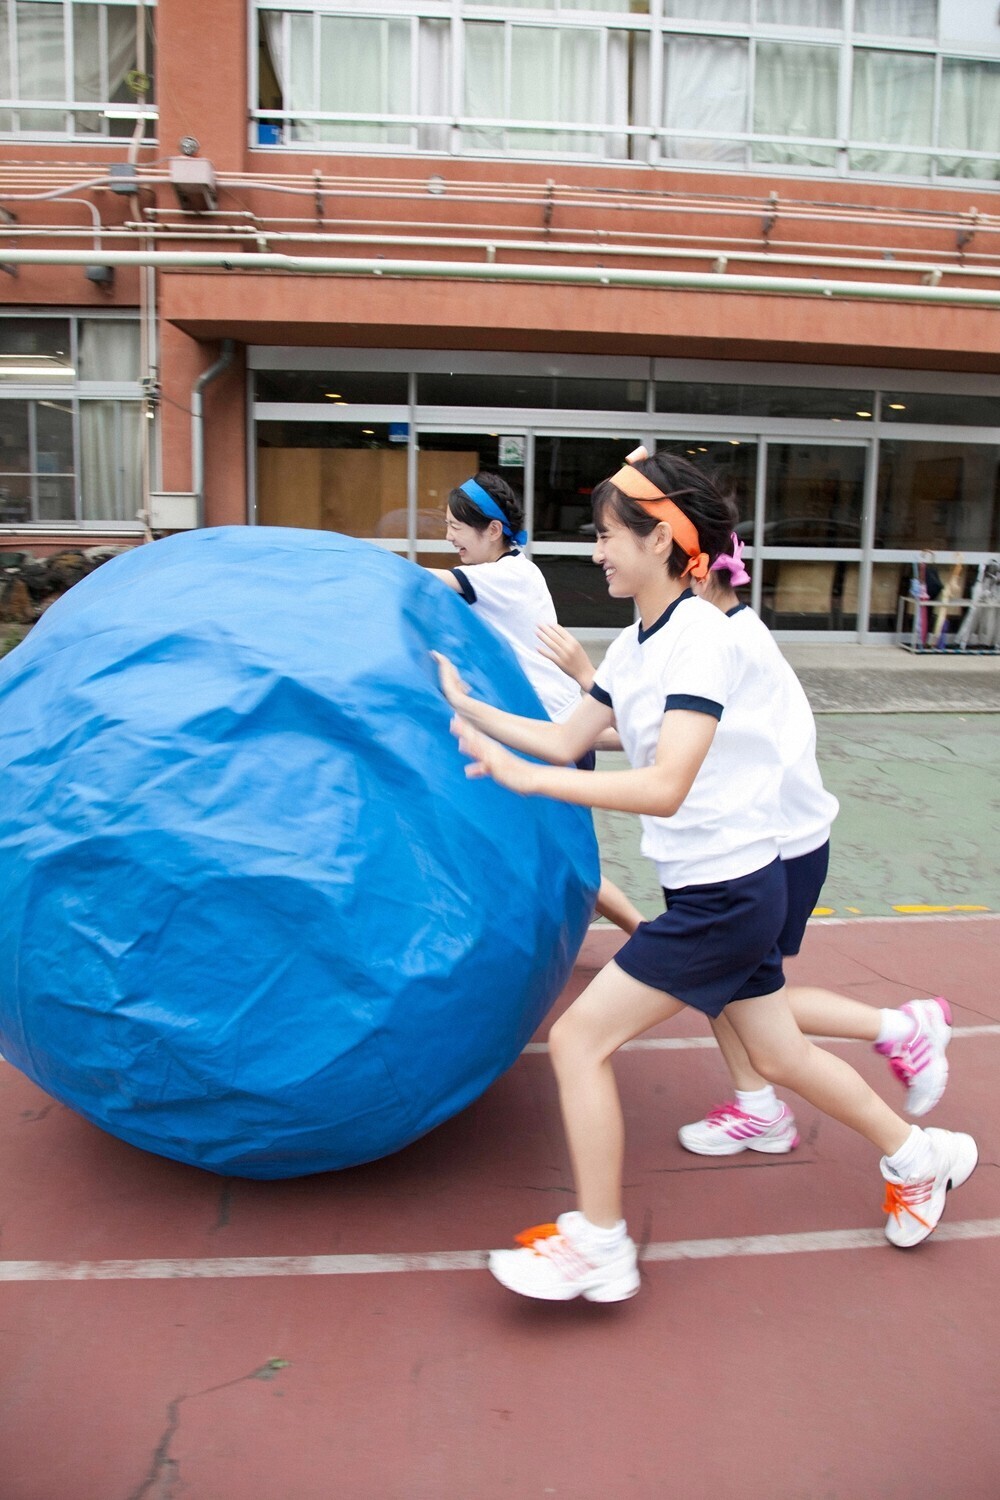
658	790
445	577
558	743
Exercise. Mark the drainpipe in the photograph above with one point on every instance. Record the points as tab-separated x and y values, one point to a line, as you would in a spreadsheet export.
213	372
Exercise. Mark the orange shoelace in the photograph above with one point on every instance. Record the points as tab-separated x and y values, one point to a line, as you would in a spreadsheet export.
529	1237
900	1197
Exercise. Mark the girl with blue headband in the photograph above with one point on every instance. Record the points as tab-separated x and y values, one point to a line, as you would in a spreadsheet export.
509	592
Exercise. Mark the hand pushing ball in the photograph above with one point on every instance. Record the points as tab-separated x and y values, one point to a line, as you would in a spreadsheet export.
254	916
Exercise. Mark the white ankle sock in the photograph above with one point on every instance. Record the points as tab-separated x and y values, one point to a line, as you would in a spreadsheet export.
601	1239
896	1026
763	1103
914	1158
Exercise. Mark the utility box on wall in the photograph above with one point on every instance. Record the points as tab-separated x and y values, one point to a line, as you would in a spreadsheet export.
173	511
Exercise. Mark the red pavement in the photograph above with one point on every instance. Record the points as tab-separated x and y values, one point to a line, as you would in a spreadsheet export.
803	1376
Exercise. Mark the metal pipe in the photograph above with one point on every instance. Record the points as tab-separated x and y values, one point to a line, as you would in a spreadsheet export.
702	281
663	199
225	359
225	234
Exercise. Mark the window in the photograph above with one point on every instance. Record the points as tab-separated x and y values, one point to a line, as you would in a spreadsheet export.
36	461
795	94
813	86
731	400
557	77
337	78
64	63
893	103
705	81
939	497
72	421
970	118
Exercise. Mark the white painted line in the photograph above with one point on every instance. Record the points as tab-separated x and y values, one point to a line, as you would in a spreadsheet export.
687	1043
693	1043
241	1267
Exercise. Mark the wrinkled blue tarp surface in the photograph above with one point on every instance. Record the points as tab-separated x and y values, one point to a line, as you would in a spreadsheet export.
253	915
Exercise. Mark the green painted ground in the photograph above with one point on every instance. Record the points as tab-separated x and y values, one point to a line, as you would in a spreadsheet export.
919	820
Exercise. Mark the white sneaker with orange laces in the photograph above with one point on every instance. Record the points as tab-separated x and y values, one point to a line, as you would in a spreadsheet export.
915	1206
555	1263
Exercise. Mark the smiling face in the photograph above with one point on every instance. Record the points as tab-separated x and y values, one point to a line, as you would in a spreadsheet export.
475	546
629	562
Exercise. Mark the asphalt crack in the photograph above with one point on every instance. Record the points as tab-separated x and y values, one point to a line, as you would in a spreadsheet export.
163	1477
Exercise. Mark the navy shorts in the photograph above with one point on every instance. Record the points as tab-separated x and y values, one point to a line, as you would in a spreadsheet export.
587	762
714	943
804	878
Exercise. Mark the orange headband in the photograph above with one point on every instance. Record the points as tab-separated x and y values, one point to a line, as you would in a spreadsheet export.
655	503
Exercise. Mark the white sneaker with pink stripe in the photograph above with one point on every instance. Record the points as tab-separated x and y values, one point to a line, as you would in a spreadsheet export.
921	1064
728	1130
557	1262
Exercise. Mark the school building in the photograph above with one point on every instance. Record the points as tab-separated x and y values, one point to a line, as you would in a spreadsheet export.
313	262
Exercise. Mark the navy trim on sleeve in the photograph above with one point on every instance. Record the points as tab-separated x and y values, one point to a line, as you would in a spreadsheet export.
601	696
468	592
695	704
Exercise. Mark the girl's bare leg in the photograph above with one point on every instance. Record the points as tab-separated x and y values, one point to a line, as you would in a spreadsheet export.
612	1010
824	1013
782	1055
817	1012
734	1055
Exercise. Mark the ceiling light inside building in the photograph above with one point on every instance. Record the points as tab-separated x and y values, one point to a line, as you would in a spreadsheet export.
896	406
862	413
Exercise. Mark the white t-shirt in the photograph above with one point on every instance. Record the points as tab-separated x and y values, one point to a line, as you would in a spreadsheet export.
511	595
730	822
808	808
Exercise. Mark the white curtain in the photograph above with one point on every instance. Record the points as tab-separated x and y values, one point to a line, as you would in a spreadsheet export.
896	17
483	91
815	13
364	68
556	75
41	51
970	117
109	349
41	62
795	93
705	88
892	101
708	10
110	459
434	82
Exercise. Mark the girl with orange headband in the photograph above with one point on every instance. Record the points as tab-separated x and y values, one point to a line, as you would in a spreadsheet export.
706	781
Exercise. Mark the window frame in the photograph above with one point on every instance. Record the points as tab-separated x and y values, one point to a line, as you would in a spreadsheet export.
76	393
646	132
12	102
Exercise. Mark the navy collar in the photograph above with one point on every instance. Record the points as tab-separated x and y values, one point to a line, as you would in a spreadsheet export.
735	610
659	624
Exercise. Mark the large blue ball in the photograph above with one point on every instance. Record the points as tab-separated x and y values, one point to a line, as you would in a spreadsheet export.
253	915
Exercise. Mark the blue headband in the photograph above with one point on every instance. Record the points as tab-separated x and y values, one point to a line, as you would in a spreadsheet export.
486	503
